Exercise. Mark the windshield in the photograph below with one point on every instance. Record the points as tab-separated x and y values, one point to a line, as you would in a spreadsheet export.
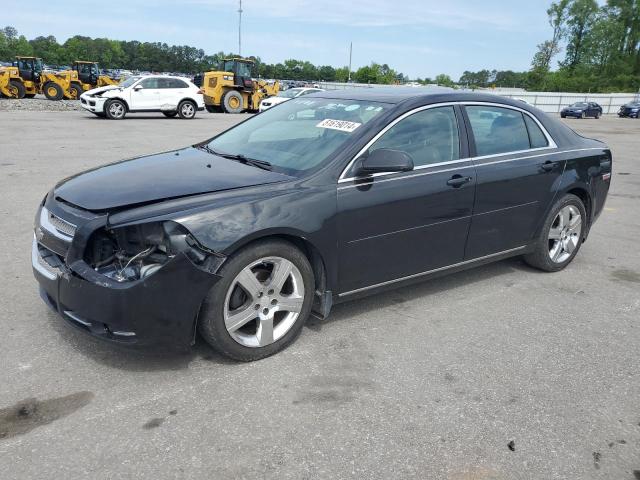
299	135
292	92
579	105
633	104
129	81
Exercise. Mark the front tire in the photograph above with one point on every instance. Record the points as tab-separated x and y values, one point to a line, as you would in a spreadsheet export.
52	91
261	303
187	110
561	235
115	109
17	89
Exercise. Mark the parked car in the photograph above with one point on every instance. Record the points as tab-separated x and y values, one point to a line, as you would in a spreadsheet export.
285	95
147	93
582	110
324	199
631	110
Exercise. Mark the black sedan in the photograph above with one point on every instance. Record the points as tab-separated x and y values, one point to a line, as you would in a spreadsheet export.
582	110
319	200
631	110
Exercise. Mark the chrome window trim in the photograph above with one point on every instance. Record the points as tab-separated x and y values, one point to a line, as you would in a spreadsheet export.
552	144
421	274
343	187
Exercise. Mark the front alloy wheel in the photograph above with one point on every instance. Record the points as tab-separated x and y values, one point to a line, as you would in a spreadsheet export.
260	304
264	301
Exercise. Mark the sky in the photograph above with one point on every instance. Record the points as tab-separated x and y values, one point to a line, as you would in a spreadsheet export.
420	38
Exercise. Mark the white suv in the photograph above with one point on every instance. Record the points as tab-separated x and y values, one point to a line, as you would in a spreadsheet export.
147	93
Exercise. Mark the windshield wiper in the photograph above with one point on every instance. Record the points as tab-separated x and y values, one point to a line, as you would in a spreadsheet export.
263	164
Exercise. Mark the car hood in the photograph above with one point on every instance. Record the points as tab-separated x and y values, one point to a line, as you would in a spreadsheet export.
276	100
163	176
97	91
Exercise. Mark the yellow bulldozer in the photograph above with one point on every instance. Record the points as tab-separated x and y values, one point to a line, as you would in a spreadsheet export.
26	78
87	76
232	90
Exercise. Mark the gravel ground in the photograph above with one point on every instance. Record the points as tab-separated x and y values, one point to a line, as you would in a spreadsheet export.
38	104
500	372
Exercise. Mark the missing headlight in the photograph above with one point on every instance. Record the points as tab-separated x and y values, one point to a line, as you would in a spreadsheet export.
135	252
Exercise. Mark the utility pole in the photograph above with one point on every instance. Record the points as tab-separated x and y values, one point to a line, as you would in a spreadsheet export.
240	30
350	52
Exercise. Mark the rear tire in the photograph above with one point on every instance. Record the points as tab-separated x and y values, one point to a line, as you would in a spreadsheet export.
115	109
170	114
249	340
18	89
187	109
75	91
232	102
52	91
561	236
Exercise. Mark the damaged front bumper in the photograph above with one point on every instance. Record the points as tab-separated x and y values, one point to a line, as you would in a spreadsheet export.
160	309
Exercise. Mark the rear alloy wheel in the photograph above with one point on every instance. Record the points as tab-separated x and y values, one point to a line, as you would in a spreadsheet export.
261	303
232	102
597	115
186	110
75	91
170	114
561	235
17	89
115	109
53	91
584	115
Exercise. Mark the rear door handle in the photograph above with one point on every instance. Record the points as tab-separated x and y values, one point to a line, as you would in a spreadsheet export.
548	166
457	181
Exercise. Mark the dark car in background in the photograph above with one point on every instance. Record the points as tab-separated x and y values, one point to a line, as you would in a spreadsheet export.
320	200
631	110
582	110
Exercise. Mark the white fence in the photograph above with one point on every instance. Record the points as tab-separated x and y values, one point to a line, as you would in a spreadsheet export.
551	102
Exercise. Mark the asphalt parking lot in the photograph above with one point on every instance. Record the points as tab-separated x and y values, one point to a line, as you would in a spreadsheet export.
501	372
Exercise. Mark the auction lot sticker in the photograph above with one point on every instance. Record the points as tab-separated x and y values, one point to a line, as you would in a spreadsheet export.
342	125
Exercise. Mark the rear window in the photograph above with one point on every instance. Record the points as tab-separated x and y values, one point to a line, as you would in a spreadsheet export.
536	137
497	130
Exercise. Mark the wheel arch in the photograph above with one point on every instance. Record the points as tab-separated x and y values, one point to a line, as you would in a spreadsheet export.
104	105
301	241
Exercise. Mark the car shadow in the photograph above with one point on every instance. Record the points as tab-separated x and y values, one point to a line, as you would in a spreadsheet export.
428	287
151	359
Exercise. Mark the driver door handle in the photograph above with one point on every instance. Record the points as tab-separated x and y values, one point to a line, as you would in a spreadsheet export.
457	181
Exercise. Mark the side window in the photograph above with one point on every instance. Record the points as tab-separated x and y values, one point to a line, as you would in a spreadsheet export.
429	136
536	137
497	130
150	83
173	83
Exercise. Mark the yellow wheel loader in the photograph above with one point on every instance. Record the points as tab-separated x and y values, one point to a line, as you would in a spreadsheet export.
26	78
232	90
87	76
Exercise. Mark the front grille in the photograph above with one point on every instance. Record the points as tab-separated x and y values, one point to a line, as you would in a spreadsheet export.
62	226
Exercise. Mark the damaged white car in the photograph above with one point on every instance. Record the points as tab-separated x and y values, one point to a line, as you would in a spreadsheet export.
146	93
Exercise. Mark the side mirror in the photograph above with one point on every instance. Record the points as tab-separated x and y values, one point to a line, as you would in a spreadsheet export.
137	87
385	160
